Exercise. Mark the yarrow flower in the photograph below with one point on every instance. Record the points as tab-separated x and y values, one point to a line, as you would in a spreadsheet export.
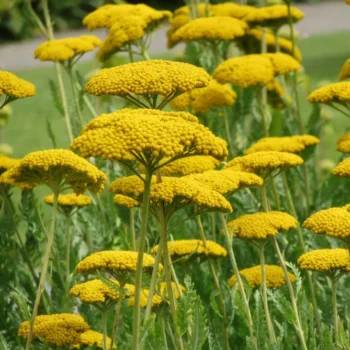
126	201
156	299
276	96
261	225
336	92
334	222
290	144
345	70
274	276
343	168
56	168
343	144
326	260
194	248
203	99
6	182
7	163
92	338
70	200
57	329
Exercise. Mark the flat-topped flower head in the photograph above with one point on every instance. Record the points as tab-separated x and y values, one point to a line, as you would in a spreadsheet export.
57	329
264	162
231	9
227	181
274	276
142	135
70	200
343	168
203	99
7	163
56	168
194	248
334	222
282	63
126	201
97	292
326	260
60	50
261	225
93	339
13	87
345	70
336	92
290	144
343	143
114	261
273	16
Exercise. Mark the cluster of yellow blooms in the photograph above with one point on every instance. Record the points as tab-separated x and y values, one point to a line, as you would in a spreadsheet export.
291	144
51	167
7	163
70	200
345	70
343	143
193	247
92	338
14	87
325	260
126	201
202	99
343	168
252	70
67	48
261	225
274	276
336	92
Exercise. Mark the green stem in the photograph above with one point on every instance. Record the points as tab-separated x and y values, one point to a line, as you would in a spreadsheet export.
335	309
117	314
265	202
68	243
213	226
44	269
131	57
132	229
275	194
164	331
228	133
75	95
104	327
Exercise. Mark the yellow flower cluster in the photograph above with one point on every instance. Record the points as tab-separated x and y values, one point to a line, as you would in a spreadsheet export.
118	260
291	144
156	300
152	77
70	200
252	70
7	163
275	94
6	180
273	16
343	168
162	289
227	181
336	92
334	222
67	48
345	70
193	247
274	276
51	167
161	134
258	162
126	201
261	225
92	338
325	260
15	87
201	100
343	144
95	291
57	329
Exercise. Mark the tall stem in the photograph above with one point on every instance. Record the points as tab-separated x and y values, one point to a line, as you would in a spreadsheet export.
44	269
335	309
138	282
104	327
68	243
132	229
117	314
75	95
228	132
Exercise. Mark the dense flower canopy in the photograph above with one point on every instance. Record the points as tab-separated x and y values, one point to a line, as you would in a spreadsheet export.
261	225
92	338
274	276
193	247
326	260
55	167
343	168
291	144
336	92
345	70
70	200
57	329
343	144
7	163
14	87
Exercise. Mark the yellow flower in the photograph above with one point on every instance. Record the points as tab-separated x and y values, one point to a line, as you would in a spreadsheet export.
276	94
7	163
343	168
57	329
201	100
113	260
274	276
261	225
92	338
282	63
14	87
325	260
231	9
70	200
227	181
291	144
343	144
345	70
6	181
336	92
55	168
161	289
193	247
66	49
334	222
123	135
95	291
273	16
264	161
126	201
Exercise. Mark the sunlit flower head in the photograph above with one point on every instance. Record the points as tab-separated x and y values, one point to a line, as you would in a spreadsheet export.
336	92
13	87
343	143
93	339
345	70
70	200
126	201
343	168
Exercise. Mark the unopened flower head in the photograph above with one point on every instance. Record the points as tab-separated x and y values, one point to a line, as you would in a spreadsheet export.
274	276
58	167
13	87
343	168
345	70
57	329
93	339
70	200
336	92
343	143
261	225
